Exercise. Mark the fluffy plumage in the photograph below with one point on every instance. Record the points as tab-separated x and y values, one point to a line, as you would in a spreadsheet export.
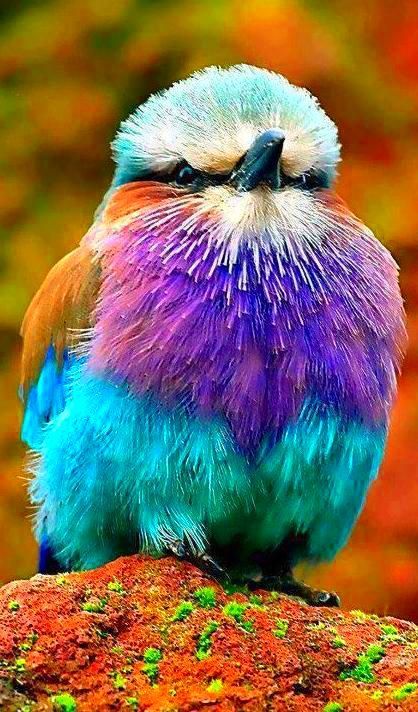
234	384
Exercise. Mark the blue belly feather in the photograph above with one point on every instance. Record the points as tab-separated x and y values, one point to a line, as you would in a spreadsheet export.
118	472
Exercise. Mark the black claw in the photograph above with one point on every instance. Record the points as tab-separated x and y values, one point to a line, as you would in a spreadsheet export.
203	561
211	566
178	549
324	598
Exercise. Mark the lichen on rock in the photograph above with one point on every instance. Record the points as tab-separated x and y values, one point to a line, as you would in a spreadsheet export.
158	635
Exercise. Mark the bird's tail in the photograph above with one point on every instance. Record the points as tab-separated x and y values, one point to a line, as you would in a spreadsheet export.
48	564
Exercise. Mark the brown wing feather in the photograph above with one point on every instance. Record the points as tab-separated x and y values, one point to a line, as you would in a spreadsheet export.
62	307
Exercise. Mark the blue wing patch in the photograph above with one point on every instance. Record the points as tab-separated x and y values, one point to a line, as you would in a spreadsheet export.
46	399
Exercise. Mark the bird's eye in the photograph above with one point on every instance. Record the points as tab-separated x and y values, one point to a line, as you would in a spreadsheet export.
185	175
306	181
314	180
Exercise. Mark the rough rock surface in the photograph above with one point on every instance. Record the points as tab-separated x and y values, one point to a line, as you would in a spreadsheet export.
158	635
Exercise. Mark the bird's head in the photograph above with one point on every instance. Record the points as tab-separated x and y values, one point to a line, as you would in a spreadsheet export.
241	147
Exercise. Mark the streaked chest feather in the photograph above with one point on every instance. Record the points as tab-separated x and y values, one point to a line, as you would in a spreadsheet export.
248	330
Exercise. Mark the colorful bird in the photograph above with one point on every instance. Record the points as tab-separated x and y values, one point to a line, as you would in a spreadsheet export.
211	372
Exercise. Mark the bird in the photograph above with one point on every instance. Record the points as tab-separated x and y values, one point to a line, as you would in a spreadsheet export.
210	374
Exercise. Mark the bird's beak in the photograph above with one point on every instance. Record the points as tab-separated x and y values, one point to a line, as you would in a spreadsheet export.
261	162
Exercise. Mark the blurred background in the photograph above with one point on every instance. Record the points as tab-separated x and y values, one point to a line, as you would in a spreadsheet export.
71	69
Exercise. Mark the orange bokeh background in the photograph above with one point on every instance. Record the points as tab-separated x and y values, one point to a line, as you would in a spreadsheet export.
71	69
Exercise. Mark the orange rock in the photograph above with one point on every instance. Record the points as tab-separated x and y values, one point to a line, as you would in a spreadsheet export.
158	635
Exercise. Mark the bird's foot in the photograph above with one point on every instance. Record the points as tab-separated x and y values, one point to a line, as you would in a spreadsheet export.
288	584
201	559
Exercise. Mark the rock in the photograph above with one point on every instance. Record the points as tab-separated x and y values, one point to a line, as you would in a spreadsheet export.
147	634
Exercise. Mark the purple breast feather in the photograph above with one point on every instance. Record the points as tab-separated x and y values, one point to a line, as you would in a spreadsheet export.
252	340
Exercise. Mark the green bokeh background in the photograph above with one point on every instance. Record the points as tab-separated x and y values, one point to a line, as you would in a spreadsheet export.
71	69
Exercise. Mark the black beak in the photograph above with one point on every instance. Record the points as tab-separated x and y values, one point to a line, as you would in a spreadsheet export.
261	162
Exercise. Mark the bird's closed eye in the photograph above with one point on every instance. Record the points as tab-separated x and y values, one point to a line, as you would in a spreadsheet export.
306	181
186	175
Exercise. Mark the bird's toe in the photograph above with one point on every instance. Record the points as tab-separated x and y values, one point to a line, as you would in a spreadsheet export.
325	598
202	560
